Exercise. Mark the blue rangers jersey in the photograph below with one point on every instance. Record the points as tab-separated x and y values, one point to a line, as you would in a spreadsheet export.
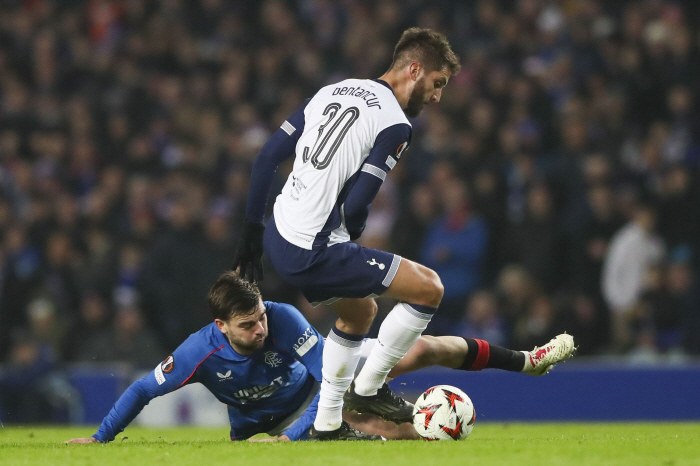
261	390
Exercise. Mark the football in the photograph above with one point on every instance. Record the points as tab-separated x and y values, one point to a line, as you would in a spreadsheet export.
444	412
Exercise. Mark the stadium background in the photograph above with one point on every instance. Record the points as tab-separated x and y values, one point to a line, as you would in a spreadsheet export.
567	146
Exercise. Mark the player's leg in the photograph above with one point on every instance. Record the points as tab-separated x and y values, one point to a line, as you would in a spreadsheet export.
462	354
341	354
473	355
419	291
416	284
372	424
429	351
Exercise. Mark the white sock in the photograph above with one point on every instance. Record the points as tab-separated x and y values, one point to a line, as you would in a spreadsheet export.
340	358
399	331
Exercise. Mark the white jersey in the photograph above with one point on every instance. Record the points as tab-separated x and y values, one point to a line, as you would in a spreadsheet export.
341	124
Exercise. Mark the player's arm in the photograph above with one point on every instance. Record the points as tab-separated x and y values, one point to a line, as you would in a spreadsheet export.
165	378
277	149
306	344
385	153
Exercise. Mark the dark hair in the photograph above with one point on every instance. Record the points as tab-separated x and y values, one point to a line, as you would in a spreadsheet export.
429	48
232	295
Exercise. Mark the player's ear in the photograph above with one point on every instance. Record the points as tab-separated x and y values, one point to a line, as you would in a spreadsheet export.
415	70
221	325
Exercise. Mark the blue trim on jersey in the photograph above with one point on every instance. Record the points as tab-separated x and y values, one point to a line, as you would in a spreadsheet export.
334	218
276	150
384	83
261	390
362	187
388	147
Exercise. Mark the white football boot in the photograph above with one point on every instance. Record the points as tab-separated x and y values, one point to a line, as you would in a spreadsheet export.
540	360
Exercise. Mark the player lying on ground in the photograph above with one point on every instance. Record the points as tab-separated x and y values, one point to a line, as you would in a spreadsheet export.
263	360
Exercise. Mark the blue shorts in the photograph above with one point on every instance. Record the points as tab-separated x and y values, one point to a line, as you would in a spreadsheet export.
343	270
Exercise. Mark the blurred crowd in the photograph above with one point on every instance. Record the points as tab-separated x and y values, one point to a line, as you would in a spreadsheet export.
555	187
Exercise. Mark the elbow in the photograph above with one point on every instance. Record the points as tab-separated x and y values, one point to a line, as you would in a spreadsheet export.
355	221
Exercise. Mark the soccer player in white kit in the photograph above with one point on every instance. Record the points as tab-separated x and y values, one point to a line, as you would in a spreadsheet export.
345	140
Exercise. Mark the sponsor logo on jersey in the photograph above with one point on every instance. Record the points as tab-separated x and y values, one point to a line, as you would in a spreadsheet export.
390	162
305	342
272	359
168	364
160	377
259	392
225	376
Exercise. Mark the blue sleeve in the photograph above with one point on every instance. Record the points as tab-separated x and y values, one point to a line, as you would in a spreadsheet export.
176	371
296	335
277	149
387	150
300	429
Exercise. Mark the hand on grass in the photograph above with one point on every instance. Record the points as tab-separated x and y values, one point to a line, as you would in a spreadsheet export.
84	440
281	438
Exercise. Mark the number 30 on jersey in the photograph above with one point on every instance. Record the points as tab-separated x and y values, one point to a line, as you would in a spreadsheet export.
328	141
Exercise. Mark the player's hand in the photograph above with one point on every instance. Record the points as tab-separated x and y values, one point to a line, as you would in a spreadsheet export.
84	440
281	438
249	252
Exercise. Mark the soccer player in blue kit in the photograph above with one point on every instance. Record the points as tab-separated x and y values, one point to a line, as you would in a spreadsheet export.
263	360
345	140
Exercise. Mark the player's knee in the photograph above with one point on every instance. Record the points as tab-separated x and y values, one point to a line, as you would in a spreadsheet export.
434	290
368	311
372	309
425	349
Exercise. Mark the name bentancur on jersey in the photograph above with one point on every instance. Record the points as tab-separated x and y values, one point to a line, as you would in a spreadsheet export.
370	98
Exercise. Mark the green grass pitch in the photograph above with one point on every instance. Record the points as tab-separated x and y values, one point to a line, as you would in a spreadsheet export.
598	444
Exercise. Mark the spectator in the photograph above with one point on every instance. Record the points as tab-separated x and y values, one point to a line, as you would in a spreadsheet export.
172	283
454	247
21	278
517	289
538	322
590	240
411	226
679	208
483	320
94	321
22	395
580	315
535	243
633	249
127	342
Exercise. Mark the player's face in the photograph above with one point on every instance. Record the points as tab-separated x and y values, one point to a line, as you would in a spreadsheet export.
428	90
246	333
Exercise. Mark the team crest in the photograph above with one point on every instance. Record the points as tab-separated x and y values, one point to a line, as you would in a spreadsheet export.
402	147
168	364
272	359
